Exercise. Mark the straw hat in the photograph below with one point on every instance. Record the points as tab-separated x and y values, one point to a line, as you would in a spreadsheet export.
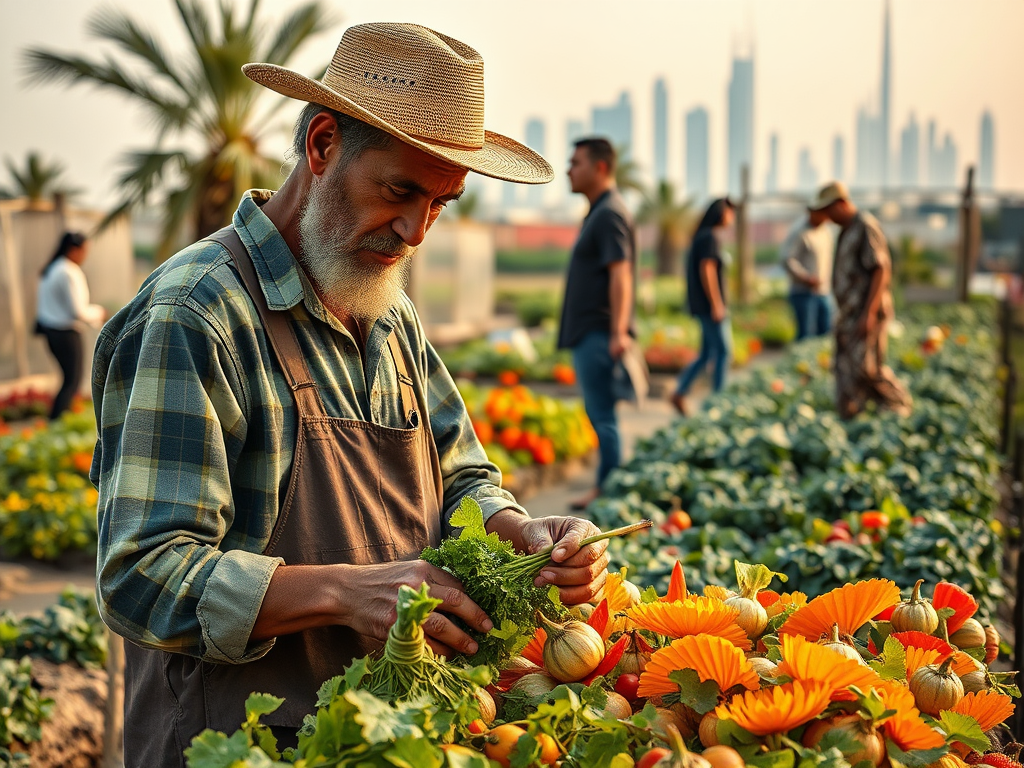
422	87
828	194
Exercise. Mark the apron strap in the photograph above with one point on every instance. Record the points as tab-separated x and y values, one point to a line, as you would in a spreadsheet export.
406	394
279	330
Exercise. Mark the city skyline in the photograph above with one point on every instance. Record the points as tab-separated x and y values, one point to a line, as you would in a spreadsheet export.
807	93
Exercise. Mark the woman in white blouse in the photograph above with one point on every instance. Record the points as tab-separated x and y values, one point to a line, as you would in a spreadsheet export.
62	309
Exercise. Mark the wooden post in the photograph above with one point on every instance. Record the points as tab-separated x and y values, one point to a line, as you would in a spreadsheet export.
744	247
113	718
969	241
12	275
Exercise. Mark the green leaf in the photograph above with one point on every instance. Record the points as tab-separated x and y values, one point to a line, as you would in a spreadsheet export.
964	728
649	595
556	598
840	739
259	704
602	748
459	759
701	697
212	749
978	654
526	752
470	518
751	579
411	752
918	758
781	759
892	664
354	674
730	734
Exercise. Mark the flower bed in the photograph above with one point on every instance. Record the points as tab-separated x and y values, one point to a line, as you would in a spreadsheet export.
47	504
768	469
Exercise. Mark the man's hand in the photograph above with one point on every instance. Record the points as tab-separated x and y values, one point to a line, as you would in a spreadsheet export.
579	573
813	282
618	343
718	313
371	591
867	323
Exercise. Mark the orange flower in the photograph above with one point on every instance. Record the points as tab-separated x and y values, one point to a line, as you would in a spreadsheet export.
777	709
906	727
850	606
948	595
534	650
809	662
786	599
962	663
987	707
920	657
696	616
921	640
615	593
713	658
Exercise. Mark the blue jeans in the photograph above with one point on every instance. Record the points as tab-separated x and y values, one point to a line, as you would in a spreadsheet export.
813	314
594	367
715	349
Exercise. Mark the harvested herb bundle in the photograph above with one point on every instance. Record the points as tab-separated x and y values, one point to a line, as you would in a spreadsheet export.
500	581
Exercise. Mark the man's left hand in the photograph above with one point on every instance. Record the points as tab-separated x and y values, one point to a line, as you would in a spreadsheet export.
867	323
617	344
579	573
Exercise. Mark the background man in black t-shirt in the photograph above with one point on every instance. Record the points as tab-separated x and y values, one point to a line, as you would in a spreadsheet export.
597	314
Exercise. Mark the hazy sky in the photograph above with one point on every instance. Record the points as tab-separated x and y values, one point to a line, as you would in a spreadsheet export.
816	62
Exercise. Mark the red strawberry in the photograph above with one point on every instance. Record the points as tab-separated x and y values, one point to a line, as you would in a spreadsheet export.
999	760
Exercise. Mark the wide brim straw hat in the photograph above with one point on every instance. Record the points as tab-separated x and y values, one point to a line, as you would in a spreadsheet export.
422	87
827	195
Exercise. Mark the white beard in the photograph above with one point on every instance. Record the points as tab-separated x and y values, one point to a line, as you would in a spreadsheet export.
346	284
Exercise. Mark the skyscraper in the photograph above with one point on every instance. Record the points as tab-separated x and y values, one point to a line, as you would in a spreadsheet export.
987	152
771	179
697	185
806	174
838	158
615	123
535	141
910	154
574	130
942	159
660	130
741	119
868	163
884	131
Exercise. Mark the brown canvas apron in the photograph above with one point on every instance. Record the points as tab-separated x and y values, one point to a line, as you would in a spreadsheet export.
359	493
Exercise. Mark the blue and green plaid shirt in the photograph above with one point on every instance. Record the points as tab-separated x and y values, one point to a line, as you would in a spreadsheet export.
197	428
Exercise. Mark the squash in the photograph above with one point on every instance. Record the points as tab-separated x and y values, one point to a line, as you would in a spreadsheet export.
936	688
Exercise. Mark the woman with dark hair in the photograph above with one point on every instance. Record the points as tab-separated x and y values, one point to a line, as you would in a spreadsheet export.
705	291
62	307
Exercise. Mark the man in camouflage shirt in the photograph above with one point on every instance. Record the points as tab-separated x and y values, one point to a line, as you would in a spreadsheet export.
861	280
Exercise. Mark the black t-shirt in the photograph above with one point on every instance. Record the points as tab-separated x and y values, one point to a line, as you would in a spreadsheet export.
705	246
605	238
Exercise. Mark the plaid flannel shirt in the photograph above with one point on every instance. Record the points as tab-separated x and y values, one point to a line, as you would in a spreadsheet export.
197	427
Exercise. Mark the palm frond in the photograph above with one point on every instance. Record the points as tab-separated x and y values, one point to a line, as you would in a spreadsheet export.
45	66
197	25
305	21
180	207
132	39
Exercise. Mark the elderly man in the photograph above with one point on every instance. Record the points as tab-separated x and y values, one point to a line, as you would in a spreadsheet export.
278	441
861	277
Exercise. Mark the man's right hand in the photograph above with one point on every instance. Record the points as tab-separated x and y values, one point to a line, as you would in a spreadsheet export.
718	313
369	593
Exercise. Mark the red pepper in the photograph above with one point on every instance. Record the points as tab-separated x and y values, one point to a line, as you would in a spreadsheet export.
599	618
611	658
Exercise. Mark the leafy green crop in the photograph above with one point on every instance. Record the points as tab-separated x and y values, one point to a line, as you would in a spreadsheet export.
22	709
70	631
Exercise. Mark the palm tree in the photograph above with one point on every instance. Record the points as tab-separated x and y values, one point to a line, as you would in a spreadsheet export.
673	220
37	180
627	171
199	98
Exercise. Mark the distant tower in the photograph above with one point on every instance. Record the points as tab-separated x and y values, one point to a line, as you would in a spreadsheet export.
697	176
615	123
807	174
987	153
741	119
883	128
771	179
910	154
660	130
535	141
838	158
867	170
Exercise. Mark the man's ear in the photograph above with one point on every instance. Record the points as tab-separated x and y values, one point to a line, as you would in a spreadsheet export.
321	142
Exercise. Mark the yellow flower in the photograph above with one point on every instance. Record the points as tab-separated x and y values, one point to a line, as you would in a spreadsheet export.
696	616
849	606
907	728
987	707
920	657
807	661
777	709
713	658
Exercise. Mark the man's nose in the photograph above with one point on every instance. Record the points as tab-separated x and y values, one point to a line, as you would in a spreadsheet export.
412	225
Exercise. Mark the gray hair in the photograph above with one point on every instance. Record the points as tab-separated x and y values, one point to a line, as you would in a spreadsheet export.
357	136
